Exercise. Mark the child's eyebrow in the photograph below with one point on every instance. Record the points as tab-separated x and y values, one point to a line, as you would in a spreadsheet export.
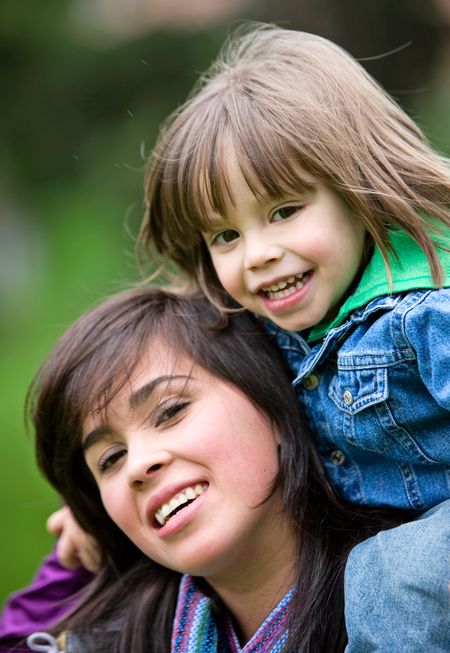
213	223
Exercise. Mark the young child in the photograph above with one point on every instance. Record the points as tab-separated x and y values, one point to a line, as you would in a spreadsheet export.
292	183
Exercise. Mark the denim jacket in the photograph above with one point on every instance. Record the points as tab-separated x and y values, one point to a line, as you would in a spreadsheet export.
376	391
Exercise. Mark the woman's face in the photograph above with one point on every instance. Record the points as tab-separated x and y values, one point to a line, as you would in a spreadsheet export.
185	464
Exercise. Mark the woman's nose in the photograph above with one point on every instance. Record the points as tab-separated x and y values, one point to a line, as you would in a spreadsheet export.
261	251
143	465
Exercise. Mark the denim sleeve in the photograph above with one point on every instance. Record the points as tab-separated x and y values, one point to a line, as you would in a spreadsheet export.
426	327
396	588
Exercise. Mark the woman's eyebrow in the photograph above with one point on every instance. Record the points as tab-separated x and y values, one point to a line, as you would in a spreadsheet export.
139	396
95	436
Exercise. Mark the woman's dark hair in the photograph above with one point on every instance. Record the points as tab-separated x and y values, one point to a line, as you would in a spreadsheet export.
131	604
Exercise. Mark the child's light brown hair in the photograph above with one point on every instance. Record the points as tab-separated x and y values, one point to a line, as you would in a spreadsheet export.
289	102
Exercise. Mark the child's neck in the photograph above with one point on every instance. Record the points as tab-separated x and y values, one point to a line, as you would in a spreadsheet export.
334	311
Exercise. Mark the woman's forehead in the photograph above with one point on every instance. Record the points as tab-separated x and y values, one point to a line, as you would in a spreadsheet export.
160	365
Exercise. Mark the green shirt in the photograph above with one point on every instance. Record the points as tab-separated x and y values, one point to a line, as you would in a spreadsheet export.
409	271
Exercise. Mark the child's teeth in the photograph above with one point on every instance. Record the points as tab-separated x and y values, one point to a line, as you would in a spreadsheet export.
283	285
285	288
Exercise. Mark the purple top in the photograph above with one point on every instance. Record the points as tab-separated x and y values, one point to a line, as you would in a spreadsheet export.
52	594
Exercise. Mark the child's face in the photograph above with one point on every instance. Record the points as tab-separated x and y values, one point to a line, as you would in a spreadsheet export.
290	260
177	437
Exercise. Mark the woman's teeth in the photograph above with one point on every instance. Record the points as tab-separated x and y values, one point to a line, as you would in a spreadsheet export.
286	287
163	514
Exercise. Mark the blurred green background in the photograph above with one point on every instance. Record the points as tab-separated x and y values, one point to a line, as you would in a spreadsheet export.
84	85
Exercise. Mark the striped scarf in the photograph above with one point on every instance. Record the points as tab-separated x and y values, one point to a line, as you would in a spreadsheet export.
202	625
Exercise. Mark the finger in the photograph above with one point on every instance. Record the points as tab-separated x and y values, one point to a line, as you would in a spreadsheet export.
89	556
66	551
55	523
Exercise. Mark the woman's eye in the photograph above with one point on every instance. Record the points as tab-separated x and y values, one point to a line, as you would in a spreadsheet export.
167	413
109	459
284	212
225	237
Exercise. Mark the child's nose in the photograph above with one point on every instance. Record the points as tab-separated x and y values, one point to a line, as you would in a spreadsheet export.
259	251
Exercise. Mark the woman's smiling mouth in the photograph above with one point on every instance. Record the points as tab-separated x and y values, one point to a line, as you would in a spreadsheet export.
178	502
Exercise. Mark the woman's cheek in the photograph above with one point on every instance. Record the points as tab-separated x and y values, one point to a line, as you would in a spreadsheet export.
116	506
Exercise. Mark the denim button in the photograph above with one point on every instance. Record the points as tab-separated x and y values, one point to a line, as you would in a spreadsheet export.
310	382
348	397
337	457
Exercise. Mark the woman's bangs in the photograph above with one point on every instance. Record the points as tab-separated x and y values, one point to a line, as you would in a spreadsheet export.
93	387
97	380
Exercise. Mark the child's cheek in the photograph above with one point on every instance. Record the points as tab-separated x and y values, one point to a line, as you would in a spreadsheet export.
235	289
229	276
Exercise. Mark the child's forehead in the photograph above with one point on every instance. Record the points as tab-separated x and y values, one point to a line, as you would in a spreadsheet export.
220	193
242	180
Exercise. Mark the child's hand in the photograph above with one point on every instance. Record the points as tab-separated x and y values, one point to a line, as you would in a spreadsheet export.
74	547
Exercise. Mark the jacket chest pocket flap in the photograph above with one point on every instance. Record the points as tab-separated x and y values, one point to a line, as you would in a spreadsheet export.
353	390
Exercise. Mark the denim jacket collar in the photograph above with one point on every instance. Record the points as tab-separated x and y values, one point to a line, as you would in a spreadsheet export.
316	352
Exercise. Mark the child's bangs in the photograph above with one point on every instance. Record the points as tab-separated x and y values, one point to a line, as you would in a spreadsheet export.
191	181
271	166
266	146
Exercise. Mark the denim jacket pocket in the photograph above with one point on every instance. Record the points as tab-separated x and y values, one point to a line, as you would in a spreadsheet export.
355	390
364	417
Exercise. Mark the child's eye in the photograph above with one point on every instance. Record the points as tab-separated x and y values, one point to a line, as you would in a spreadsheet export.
284	212
225	237
170	411
109	459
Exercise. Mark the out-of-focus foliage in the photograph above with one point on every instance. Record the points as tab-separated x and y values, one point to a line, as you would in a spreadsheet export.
77	117
75	123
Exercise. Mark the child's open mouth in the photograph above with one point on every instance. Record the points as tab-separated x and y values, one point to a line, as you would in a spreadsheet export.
286	287
178	502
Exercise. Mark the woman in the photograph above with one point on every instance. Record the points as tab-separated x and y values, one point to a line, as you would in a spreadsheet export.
217	528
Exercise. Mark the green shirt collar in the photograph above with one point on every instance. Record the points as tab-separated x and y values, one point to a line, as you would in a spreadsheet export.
409	271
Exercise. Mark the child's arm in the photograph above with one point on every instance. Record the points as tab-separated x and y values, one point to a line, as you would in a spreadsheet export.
74	546
425	329
53	592
56	588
